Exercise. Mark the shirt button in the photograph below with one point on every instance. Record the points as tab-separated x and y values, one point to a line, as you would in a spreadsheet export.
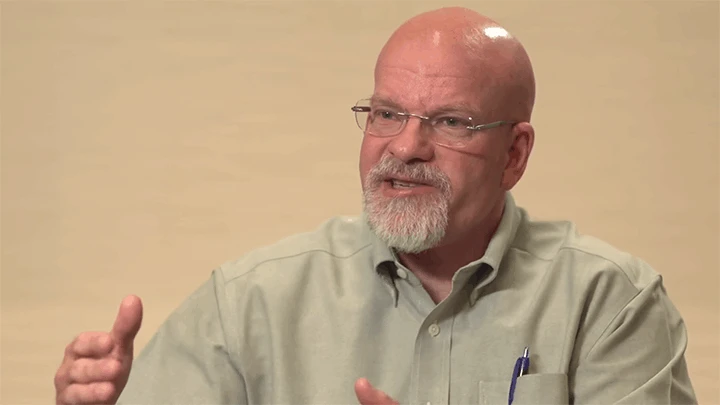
401	273
434	330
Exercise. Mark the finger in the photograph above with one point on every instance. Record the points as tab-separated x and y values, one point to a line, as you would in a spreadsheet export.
369	395
62	376
85	371
96	394
127	324
89	344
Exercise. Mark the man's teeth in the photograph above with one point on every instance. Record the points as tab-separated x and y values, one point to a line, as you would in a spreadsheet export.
403	184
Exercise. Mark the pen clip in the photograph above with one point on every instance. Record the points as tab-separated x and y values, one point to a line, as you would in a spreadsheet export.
522	364
525	362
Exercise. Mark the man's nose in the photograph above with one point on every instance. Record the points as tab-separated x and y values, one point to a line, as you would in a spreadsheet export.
412	143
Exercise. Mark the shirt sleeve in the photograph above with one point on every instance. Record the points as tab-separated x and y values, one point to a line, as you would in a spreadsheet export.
639	358
187	360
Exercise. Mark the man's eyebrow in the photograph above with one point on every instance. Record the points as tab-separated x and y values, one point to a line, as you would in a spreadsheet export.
459	107
385	101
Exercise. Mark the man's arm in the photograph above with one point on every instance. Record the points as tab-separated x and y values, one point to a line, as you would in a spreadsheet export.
187	361
640	356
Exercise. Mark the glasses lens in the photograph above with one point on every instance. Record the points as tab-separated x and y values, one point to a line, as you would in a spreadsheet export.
452	131
362	114
385	122
377	121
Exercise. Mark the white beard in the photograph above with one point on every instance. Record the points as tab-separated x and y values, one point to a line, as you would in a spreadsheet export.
411	224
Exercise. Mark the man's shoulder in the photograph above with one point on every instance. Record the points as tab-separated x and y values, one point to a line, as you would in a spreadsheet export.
561	243
340	237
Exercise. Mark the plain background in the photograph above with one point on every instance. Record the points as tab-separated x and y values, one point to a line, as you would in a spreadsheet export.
145	143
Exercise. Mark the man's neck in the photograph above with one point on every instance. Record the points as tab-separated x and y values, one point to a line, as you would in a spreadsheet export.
436	267
444	261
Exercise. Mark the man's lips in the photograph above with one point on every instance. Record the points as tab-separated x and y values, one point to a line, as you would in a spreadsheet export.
407	180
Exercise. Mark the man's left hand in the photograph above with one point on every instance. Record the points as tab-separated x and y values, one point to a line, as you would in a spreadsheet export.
368	395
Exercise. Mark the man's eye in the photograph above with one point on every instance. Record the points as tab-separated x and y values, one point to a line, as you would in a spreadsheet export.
385	115
453	122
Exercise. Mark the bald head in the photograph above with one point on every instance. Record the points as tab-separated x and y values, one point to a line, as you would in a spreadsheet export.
459	42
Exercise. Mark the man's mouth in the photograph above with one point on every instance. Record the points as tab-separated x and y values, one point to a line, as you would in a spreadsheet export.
405	183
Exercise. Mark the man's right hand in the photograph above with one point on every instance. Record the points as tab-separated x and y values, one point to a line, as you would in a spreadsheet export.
97	365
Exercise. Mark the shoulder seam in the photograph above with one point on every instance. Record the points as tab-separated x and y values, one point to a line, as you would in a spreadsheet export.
621	268
579	249
254	267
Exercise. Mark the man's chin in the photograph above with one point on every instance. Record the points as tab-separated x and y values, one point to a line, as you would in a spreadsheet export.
402	203
411	250
412	244
405	233
409	224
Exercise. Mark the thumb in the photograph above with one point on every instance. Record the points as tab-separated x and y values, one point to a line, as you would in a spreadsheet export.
128	321
368	395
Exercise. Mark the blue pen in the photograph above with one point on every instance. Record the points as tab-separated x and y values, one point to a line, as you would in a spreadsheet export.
522	364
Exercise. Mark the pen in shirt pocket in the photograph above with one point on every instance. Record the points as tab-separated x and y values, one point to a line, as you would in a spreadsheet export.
522	364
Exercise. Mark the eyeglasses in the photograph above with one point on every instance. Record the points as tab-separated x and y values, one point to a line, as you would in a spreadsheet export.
452	130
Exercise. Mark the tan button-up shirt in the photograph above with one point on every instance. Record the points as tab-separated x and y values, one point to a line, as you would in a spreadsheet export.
299	321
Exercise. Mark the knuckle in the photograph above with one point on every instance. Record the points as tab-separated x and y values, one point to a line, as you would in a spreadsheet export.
78	371
90	344
60	398
69	395
113	368
95	370
70	348
85	394
104	392
101	339
78	346
62	375
101	343
84	337
60	379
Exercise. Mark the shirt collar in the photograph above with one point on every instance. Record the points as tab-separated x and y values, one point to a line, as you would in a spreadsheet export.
498	247
504	235
384	260
380	253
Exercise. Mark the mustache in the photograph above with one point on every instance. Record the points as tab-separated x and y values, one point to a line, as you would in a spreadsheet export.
419	172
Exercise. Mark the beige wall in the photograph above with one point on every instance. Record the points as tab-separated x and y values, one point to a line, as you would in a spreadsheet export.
142	145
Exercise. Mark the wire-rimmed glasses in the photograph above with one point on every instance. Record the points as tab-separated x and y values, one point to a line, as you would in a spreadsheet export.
448	129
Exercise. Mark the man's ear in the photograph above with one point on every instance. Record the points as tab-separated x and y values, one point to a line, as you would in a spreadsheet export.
522	140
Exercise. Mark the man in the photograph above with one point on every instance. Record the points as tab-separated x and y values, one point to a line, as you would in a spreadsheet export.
430	296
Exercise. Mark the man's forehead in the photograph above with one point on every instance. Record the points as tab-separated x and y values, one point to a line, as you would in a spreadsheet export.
428	89
427	68
415	65
427	103
427	54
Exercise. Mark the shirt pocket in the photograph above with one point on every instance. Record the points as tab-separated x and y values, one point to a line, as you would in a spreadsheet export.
531	389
